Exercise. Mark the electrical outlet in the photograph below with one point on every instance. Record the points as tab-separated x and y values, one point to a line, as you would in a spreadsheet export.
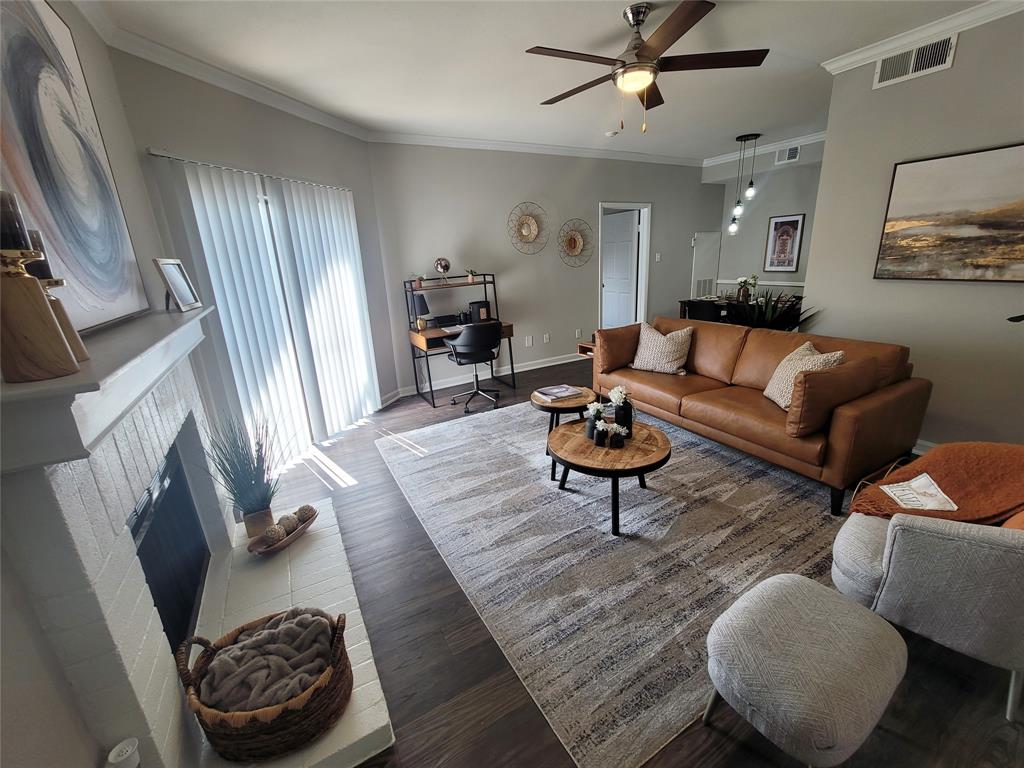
579	333
528	342
547	338
657	257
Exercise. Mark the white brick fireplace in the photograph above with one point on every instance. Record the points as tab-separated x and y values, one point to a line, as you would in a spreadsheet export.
78	453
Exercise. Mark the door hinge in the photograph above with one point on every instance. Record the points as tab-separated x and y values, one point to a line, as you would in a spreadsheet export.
693	241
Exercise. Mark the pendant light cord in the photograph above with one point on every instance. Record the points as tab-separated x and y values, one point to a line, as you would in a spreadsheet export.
739	170
753	159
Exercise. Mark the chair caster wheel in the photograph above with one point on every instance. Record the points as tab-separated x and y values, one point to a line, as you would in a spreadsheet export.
453	401
465	410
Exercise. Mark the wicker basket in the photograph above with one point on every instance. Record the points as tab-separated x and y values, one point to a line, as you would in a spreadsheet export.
273	731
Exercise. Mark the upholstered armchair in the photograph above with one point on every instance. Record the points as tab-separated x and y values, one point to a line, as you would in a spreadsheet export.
959	584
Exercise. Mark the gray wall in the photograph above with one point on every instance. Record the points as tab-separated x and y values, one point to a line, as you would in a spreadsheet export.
957	332
193	119
783	191
454	203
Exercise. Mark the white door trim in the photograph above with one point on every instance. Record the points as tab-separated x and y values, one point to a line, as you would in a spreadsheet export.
643	268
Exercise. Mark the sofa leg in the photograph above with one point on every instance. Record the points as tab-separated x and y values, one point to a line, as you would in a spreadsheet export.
1013	700
838	494
713	700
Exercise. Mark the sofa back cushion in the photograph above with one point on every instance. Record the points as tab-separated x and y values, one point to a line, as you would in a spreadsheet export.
714	347
764	350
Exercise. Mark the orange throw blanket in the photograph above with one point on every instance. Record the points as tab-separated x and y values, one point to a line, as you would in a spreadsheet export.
985	480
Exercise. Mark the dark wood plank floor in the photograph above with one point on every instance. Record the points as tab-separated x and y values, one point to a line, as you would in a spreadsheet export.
456	702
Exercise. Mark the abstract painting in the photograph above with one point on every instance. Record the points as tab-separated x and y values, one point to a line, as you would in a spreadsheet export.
782	254
55	161
959	217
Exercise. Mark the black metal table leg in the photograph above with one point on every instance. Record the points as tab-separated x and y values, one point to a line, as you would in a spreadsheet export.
643	481
565	476
615	506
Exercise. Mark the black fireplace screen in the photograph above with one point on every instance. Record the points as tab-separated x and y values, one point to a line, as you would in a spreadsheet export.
172	548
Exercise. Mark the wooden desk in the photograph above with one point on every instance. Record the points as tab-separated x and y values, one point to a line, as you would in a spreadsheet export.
429	342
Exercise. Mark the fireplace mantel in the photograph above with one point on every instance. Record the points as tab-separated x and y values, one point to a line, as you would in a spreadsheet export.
58	420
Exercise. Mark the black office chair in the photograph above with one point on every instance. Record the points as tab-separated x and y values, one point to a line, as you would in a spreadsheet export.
478	343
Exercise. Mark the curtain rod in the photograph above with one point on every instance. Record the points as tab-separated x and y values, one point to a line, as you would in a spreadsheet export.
155	152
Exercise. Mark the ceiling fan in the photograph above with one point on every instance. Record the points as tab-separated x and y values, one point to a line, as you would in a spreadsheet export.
636	68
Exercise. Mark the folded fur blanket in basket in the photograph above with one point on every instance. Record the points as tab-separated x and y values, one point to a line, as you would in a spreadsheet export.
270	664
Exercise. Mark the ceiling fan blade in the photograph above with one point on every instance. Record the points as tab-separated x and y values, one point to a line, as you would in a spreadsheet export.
723	60
679	22
654	97
558	53
579	89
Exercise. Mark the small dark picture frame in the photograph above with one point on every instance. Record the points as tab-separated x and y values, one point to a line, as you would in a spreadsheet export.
178	285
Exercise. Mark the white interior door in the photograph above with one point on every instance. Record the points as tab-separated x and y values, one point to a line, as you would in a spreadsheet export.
620	243
707	247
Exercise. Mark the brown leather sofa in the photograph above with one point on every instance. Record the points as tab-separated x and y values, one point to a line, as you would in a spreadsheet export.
722	397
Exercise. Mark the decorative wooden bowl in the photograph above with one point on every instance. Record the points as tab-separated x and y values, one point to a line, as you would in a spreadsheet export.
257	547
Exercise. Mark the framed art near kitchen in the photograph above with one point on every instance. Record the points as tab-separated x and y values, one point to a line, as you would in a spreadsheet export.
179	287
782	253
956	217
55	161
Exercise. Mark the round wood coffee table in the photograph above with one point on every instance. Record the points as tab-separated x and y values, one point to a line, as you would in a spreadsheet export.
555	409
648	450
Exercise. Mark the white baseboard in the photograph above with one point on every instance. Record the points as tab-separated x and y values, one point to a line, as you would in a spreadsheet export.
921	447
454	381
389	398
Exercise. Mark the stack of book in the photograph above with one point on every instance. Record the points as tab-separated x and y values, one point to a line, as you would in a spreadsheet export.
558	392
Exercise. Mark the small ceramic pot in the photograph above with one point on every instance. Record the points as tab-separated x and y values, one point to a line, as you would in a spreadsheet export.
600	437
470	278
590	428
417	284
616	441
257	522
744	295
624	417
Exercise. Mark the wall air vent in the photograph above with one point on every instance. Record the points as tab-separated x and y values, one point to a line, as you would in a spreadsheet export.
787	155
915	62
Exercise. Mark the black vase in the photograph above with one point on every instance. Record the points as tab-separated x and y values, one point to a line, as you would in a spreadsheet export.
624	417
600	437
590	428
616	441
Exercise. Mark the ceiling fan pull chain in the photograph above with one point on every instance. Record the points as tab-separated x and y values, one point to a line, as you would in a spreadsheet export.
622	111
643	128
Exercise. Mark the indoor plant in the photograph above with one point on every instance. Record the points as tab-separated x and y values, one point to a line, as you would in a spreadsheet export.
623	408
417	281
746	285
245	464
616	435
471	275
601	433
780	312
595	413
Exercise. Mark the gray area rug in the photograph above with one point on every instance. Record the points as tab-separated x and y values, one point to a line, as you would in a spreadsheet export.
607	634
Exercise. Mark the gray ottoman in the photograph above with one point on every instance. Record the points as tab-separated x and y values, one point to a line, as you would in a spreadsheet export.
810	669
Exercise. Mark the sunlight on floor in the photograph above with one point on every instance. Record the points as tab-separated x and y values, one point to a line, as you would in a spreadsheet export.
409	445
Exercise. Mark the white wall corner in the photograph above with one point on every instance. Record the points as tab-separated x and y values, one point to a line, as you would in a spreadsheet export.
957	22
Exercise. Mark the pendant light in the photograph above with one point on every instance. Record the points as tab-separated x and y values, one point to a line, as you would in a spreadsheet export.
734	226
751	189
737	209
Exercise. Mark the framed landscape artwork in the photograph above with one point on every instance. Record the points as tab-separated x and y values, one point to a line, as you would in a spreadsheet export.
55	162
959	217
782	254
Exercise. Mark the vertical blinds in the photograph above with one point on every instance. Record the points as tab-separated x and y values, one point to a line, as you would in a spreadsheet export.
284	264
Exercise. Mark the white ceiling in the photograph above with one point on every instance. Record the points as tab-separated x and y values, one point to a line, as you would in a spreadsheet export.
458	69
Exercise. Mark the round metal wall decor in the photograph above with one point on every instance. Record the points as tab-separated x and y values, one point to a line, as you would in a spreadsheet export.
442	266
527	228
575	242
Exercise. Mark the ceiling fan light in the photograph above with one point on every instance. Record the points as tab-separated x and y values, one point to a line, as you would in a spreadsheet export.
737	209
751	191
734	226
634	78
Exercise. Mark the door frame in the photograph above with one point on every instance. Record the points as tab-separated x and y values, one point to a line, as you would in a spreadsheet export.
644	262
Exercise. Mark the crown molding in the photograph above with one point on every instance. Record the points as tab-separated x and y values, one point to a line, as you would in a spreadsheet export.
528	148
142	47
957	22
762	149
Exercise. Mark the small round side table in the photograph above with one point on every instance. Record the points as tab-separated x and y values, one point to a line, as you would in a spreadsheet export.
569	405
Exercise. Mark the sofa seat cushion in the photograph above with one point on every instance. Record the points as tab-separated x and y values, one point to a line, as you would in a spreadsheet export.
748	414
662	390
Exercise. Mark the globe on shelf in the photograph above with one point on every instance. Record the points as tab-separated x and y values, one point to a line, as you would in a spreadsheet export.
442	267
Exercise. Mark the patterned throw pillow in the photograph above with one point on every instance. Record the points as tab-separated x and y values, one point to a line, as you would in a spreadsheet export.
662	353
803	358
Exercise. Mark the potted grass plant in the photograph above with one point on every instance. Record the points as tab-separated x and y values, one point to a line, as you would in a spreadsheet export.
244	465
471	275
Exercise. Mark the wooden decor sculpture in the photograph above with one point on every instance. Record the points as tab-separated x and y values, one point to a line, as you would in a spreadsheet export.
32	345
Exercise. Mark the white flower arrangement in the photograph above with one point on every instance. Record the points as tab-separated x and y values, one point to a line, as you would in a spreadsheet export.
595	410
618	395
603	426
747	282
617	429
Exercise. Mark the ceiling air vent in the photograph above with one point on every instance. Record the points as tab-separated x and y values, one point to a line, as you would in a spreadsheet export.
915	62
787	155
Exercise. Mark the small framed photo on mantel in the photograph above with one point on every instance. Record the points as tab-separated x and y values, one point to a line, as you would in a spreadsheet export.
179	287
782	253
